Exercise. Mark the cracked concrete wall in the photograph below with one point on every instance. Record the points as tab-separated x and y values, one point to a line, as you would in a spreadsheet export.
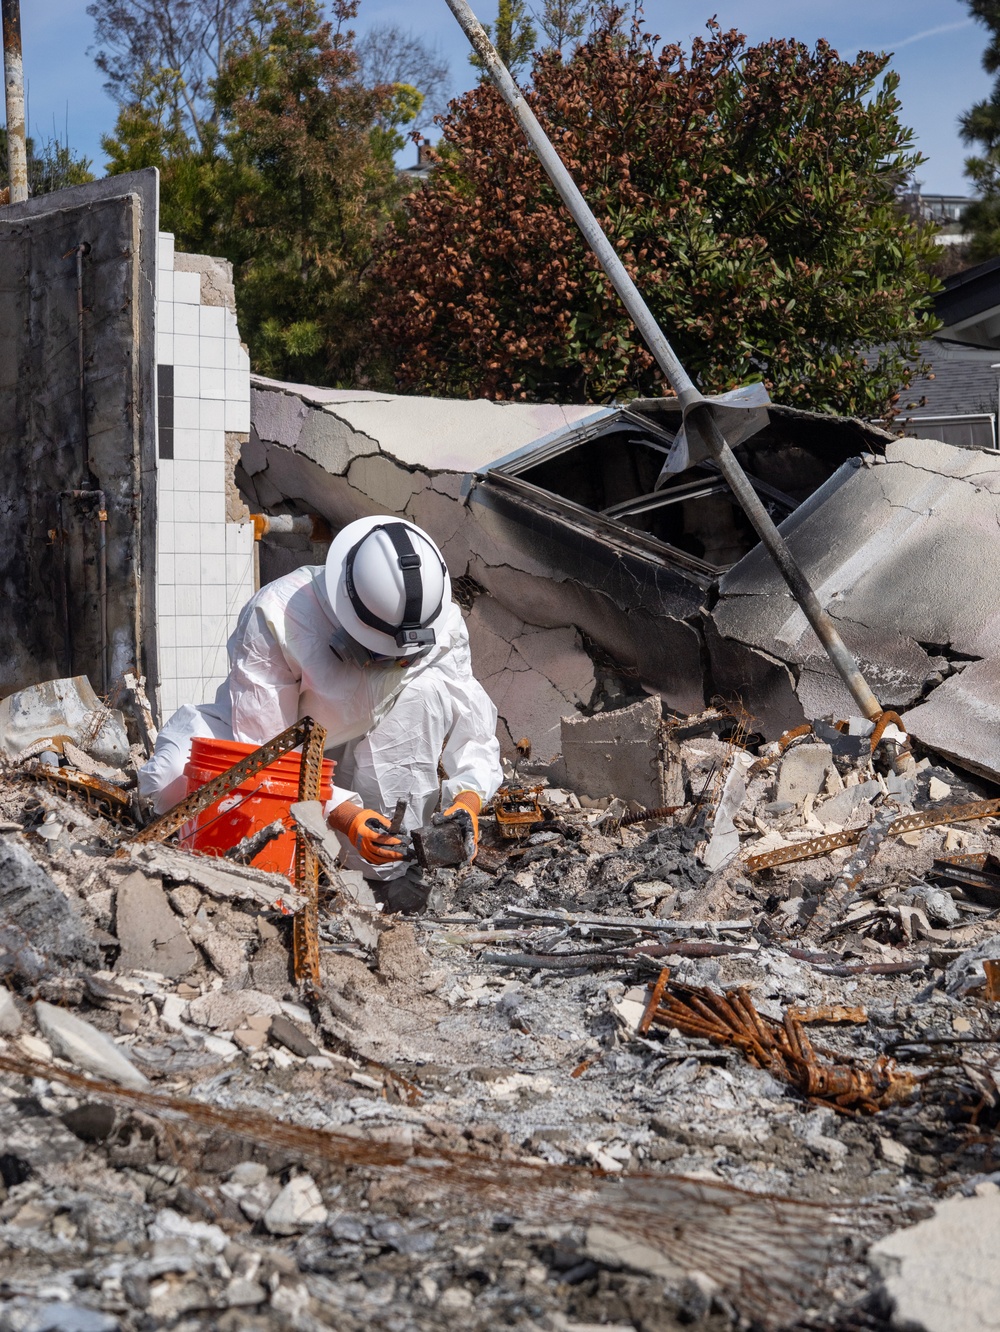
903	552
346	454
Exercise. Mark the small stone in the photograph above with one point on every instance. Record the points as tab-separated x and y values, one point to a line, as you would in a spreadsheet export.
90	1122
187	992
10	1018
242	1293
222	1049
248	1173
35	1048
173	1012
129	1021
226	954
937	790
185	899
893	1152
287	1034
259	1022
228	1009
961	1024
298	1206
456	1299
86	1047
169	1224
248	1039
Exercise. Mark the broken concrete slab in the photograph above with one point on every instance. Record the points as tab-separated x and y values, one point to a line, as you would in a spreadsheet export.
840	807
619	752
943	1274
34	911
803	772
893	547
58	710
84	1046
151	934
221	879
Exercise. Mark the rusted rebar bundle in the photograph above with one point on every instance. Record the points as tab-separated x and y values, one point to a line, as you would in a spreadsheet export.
783	1048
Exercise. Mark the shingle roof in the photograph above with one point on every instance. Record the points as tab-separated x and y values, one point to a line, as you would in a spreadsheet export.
960	381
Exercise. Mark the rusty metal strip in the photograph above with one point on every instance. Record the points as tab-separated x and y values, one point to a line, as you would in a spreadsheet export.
654	1001
160	829
305	926
784	740
819	846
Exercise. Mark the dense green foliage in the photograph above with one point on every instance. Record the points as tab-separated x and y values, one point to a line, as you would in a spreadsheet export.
293	186
750	191
981	125
50	167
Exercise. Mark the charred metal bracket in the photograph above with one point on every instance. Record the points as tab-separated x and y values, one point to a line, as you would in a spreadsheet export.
819	846
312	738
515	809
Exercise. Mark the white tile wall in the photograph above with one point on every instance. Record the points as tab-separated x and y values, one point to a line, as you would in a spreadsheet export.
205	566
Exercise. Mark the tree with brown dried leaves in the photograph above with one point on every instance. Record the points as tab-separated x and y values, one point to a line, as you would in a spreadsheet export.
750	191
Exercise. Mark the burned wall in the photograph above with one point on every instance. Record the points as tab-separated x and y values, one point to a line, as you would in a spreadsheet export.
77	433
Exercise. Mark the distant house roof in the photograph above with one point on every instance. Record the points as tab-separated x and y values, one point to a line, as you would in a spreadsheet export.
956	400
969	306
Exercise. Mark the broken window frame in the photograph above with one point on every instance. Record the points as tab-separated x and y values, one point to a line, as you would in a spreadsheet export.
506	475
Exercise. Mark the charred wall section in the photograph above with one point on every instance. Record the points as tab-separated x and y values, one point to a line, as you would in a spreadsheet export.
77	433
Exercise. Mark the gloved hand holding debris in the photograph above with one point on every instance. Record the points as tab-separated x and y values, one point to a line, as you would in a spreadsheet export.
366	830
465	809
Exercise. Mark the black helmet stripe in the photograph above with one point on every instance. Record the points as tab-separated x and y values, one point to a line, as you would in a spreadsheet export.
413	583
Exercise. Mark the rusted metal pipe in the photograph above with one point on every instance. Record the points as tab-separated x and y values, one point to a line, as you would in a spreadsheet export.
13	79
698	413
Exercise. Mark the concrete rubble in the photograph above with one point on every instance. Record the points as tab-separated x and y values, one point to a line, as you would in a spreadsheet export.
536	1103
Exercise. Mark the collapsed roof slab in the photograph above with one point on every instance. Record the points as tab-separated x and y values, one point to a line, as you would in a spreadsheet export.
902	550
551	515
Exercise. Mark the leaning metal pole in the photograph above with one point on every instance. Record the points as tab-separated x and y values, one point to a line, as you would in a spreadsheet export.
698	414
13	79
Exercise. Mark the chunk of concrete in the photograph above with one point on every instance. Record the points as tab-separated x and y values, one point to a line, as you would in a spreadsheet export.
840	807
33	910
943	1274
803	772
287	1034
724	841
297	1207
10	1018
617	753
227	1009
83	1045
151	935
63	710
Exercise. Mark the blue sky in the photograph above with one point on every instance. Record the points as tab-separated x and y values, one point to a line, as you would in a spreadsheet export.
937	55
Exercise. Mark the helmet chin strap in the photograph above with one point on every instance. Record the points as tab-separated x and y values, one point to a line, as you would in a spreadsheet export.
412	631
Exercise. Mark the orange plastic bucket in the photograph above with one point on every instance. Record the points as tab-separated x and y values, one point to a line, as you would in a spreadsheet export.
254	804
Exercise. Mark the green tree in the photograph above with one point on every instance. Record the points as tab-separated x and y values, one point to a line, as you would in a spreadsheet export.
981	125
563	23
50	167
293	186
513	35
750	191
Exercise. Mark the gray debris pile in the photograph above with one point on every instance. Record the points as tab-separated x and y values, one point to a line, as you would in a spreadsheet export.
674	1052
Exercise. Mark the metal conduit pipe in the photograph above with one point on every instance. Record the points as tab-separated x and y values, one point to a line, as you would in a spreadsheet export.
13	80
698	413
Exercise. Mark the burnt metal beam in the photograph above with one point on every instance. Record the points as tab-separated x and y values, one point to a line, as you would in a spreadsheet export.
700	414
13	79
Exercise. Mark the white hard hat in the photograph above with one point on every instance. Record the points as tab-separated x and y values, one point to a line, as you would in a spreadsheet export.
388	585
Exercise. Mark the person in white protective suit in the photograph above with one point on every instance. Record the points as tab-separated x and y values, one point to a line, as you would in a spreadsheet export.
371	646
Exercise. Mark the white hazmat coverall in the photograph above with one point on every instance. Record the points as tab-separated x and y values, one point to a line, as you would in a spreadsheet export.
388	726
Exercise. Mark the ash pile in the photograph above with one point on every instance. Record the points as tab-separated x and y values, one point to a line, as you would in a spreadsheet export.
713	1047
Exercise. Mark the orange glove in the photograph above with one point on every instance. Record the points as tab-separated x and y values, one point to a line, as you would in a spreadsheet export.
357	826
466	803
